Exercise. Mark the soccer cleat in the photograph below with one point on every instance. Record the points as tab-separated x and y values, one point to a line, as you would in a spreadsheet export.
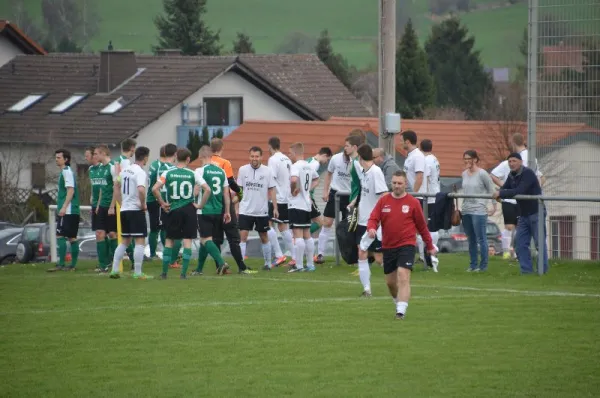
355	272
295	269
399	316
266	268
223	269
366	294
319	259
70	268
175	265
163	276
245	257
279	261
291	263
247	272
57	268
197	273
142	276
114	275
310	269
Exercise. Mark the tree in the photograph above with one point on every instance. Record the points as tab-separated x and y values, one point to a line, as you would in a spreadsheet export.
194	143
25	22
414	84
296	43
182	27
65	45
69	21
337	64
243	44
459	77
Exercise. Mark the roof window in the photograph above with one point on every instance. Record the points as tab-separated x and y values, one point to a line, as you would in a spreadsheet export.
68	103
26	102
118	104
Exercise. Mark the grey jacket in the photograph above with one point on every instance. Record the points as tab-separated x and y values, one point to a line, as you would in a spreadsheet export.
389	167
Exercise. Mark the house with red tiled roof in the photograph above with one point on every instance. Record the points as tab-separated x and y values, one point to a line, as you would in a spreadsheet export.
13	42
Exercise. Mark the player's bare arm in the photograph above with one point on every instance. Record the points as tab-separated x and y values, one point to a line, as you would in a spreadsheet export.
226	207
142	196
294	185
206	192
326	186
418	181
69	197
273	197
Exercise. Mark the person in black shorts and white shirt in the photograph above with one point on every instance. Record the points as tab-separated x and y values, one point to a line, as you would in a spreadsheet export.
132	184
280	166
432	171
372	186
258	186
303	179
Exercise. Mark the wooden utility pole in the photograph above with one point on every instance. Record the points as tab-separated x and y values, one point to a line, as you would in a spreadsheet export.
387	69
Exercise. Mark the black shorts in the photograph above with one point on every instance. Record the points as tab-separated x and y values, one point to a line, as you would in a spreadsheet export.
510	213
181	223
104	222
430	207
374	247
282	208
330	206
94	219
211	225
398	257
314	210
259	224
133	224
162	218
299	219
67	226
154	215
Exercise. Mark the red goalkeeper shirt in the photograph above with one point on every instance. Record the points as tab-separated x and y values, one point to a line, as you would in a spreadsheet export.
401	219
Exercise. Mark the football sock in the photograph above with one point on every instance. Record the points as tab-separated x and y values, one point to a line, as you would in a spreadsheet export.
175	251
113	243
138	258
323	239
506	238
243	249
272	234
186	256
401	307
74	253
364	273
163	237
314	227
119	253
309	252
153	242
300	247
213	250
102	253
435	236
130	250
166	259
61	244
202	255
266	250
288	239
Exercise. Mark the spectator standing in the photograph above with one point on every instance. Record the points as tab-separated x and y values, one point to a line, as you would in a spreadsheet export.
386	163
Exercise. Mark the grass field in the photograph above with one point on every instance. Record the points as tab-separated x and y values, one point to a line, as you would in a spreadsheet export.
275	334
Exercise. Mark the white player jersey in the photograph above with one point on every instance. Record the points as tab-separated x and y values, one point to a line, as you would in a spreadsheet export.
314	164
503	170
340	180
306	175
432	166
372	184
415	163
256	184
132	177
280	166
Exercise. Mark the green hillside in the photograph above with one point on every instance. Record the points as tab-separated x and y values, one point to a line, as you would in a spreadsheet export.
351	23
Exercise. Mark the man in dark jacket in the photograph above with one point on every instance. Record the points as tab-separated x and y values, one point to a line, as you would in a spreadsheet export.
387	164
523	181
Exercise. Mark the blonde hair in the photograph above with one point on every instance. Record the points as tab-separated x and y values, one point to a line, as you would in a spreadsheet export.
297	148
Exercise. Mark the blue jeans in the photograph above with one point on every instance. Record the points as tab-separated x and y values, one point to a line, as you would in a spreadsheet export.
475	228
527	228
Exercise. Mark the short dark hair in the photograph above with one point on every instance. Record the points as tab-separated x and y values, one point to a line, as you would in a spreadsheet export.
365	152
471	153
183	154
161	151
355	140
426	145
409	136
204	151
275	143
90	149
65	154
326	151
170	150
141	152
399	173
128	144
255	149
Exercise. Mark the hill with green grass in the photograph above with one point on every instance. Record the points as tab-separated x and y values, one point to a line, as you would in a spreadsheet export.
353	24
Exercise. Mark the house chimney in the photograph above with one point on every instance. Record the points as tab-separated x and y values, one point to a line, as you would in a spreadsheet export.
115	67
168	52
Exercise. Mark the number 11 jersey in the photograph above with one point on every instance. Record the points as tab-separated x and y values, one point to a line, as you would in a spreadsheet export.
180	186
131	178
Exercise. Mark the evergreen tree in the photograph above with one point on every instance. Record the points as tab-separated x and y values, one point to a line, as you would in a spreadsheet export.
336	63
524	52
459	77
414	85
243	44
194	144
182	27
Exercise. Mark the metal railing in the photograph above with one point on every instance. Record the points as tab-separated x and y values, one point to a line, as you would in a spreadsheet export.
337	219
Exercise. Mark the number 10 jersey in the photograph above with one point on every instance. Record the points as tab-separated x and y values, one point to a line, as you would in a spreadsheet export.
179	182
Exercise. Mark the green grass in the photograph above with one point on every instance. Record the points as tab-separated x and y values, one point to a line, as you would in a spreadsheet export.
274	334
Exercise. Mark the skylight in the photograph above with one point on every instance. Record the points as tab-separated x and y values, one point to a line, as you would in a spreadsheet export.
68	103
26	102
118	104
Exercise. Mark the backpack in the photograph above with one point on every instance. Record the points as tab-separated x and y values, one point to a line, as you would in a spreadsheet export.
347	243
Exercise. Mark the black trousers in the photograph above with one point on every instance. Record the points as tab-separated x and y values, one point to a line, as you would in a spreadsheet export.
232	232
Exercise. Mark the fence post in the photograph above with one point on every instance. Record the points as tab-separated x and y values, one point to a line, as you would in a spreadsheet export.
541	237
336	219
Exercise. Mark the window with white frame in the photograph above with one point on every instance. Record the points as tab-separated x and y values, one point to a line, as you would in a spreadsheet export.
223	111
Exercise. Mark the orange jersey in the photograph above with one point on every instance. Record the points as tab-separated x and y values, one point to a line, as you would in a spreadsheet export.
224	164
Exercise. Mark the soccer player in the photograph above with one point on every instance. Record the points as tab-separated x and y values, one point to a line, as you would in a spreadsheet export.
67	204
372	186
94	174
304	179
213	209
231	228
315	162
132	198
181	218
401	218
165	162
105	210
432	171
280	166
121	163
258	184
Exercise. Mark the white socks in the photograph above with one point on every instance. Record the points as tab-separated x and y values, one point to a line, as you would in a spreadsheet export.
119	253
323	239
435	236
401	307
421	247
272	234
300	247
138	258
266	249
289	242
506	240
309	252
243	249
364	272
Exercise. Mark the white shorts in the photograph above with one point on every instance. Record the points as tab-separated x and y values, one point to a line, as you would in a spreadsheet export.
365	241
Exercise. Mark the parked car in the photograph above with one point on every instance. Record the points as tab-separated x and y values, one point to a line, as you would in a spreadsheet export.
6	225
34	243
9	239
455	239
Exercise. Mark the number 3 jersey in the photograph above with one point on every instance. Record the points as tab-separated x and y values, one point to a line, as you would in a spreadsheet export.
131	178
305	174
217	183
179	182
256	184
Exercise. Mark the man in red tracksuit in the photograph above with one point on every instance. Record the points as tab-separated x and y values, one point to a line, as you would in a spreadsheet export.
401	218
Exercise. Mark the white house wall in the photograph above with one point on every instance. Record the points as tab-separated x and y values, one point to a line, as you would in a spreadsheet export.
7	50
256	105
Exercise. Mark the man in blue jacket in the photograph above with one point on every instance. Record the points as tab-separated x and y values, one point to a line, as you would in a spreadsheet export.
523	181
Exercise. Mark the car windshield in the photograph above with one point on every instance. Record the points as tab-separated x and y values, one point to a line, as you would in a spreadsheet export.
31	233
